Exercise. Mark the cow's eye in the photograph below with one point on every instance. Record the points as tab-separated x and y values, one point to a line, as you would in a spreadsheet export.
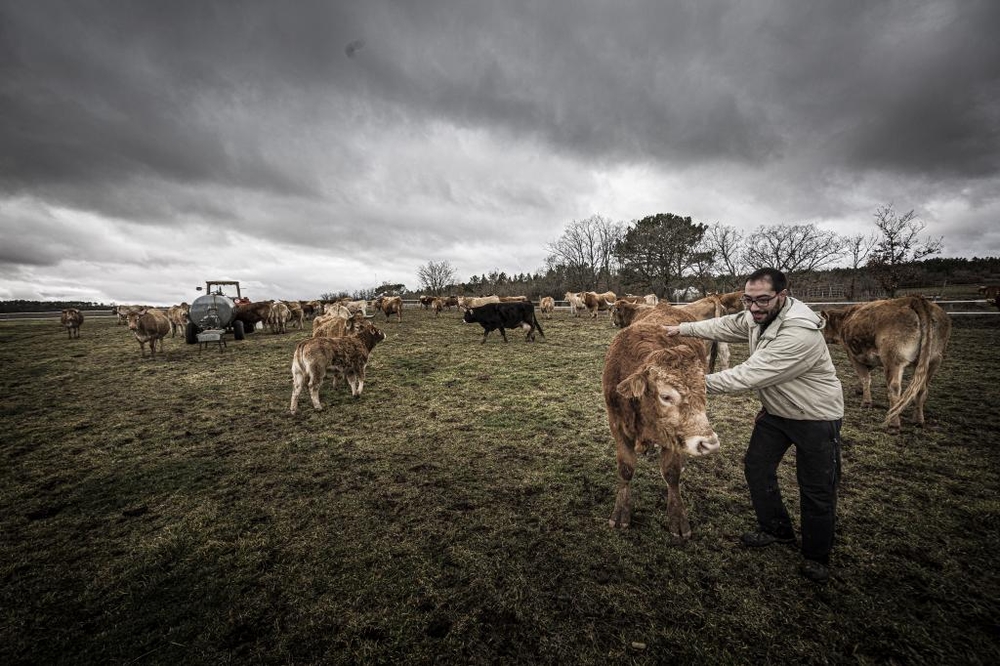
668	398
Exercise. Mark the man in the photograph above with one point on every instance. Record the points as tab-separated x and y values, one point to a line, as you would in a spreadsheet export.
803	404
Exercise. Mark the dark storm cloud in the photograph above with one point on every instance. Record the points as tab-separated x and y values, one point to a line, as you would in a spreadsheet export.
394	129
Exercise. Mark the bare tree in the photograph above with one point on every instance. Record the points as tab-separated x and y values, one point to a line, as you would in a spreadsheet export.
857	248
898	247
793	248
726	245
435	277
586	249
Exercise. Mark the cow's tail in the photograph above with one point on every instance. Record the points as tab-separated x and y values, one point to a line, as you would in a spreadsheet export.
918	381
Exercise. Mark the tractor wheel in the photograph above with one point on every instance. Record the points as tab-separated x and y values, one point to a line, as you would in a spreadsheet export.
191	333
238	332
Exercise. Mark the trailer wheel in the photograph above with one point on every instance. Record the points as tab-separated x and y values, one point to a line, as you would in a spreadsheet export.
238	332
191	333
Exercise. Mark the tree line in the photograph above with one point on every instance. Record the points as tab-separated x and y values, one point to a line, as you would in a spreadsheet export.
666	252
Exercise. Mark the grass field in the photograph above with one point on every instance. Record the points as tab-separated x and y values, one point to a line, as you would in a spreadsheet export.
172	511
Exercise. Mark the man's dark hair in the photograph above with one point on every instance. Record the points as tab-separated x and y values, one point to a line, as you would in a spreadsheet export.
778	280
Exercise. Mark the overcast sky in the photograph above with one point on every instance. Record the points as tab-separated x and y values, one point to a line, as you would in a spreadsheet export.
310	147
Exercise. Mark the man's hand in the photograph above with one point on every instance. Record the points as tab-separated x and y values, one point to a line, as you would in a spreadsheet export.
673	330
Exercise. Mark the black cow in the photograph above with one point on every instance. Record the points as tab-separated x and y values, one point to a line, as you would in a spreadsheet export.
493	316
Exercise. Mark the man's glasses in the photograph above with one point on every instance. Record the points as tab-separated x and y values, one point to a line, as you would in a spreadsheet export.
760	301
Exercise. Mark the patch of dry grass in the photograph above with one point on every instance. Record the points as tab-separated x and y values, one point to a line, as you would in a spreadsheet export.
172	511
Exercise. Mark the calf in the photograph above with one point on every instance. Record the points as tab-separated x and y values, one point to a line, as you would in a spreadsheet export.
498	316
150	326
654	392
72	320
347	357
893	333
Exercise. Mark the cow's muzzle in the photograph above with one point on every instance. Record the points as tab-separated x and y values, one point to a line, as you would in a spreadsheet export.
699	445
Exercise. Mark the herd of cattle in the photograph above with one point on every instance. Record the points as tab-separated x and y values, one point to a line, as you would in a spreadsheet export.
653	384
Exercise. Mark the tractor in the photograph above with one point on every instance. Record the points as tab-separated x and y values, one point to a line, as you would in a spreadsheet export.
213	314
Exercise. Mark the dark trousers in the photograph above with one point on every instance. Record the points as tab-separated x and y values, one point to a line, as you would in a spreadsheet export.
817	467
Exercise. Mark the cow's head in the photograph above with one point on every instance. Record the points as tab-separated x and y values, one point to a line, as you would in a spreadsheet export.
669	392
133	318
832	320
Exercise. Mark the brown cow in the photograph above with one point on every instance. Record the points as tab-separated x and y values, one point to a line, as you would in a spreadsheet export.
654	391
893	333
72	320
252	313
437	304
595	302
347	357
547	306
989	292
624	312
390	305
148	325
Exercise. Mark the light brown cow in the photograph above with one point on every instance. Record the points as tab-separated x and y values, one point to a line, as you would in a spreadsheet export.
654	391
347	357
178	316
514	299
296	314
716	305
390	305
72	320
148	326
437	304
469	302
576	304
893	333
595	302
278	316
547	306
336	327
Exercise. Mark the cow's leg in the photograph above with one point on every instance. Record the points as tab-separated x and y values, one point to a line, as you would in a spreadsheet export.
503	334
722	355
625	455
298	382
671	464
894	387
864	381
921	398
316	375
359	383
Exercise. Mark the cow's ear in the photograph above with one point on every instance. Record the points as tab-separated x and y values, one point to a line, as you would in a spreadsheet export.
633	386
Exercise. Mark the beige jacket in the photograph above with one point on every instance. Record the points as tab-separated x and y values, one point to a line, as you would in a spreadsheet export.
789	365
